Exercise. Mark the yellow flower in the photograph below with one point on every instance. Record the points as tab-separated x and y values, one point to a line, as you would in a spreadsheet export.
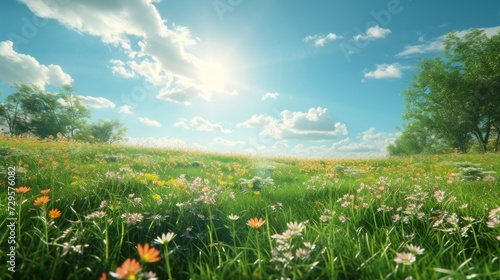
256	193
256	223
144	181
54	214
151	177
161	183
156	197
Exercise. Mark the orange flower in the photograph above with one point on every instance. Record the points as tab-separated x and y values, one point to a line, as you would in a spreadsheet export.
129	269
23	190
45	191
41	200
256	223
103	276
54	214
148	254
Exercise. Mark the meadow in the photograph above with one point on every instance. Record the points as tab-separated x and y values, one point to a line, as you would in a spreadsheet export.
89	211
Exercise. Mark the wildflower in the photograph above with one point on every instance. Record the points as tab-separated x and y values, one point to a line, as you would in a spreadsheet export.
103	204
165	238
148	254
150	275
46	191
324	218
131	195
233	217
103	276
128	270
301	253
151	177
256	223
54	214
309	245
23	189
41	200
415	249
96	214
296	227
493	213
439	195
342	218
138	199
156	197
133	218
405	258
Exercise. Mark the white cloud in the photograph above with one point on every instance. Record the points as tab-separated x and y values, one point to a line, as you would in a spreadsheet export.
161	55
314	124
436	45
202	124
270	95
225	143
373	33
96	102
320	40
149	122
118	68
181	124
17	67
386	71
125	109
258	121
369	144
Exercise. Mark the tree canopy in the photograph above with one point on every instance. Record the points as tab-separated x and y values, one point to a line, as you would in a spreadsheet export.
54	114
454	99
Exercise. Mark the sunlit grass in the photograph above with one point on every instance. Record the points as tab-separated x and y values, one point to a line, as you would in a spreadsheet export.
311	219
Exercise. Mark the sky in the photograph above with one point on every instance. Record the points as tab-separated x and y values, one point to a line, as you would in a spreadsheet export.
294	78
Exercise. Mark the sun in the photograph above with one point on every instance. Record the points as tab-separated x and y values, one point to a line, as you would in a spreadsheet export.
214	75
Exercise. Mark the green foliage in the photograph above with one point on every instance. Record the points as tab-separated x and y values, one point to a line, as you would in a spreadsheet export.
454	98
54	115
469	172
320	223
256	183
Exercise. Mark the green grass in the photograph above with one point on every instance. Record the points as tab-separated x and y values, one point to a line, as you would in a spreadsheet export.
357	215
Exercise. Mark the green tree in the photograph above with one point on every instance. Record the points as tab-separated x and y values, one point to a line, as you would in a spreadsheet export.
12	114
456	97
73	114
103	131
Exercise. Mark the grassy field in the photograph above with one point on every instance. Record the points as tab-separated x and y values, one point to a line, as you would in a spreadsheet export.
105	212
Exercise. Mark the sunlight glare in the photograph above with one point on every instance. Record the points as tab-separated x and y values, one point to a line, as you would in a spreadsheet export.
214	75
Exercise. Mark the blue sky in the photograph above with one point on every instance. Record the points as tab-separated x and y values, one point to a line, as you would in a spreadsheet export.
294	78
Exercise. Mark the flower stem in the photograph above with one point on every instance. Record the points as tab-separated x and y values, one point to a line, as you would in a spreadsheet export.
167	263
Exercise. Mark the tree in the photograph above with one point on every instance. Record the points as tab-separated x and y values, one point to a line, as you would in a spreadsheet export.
73	113
103	131
456	97
12	114
415	139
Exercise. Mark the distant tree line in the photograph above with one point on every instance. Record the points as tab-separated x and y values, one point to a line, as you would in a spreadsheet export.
31	110
454	100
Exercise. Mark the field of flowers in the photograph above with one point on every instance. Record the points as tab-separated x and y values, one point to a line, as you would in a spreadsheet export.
81	211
